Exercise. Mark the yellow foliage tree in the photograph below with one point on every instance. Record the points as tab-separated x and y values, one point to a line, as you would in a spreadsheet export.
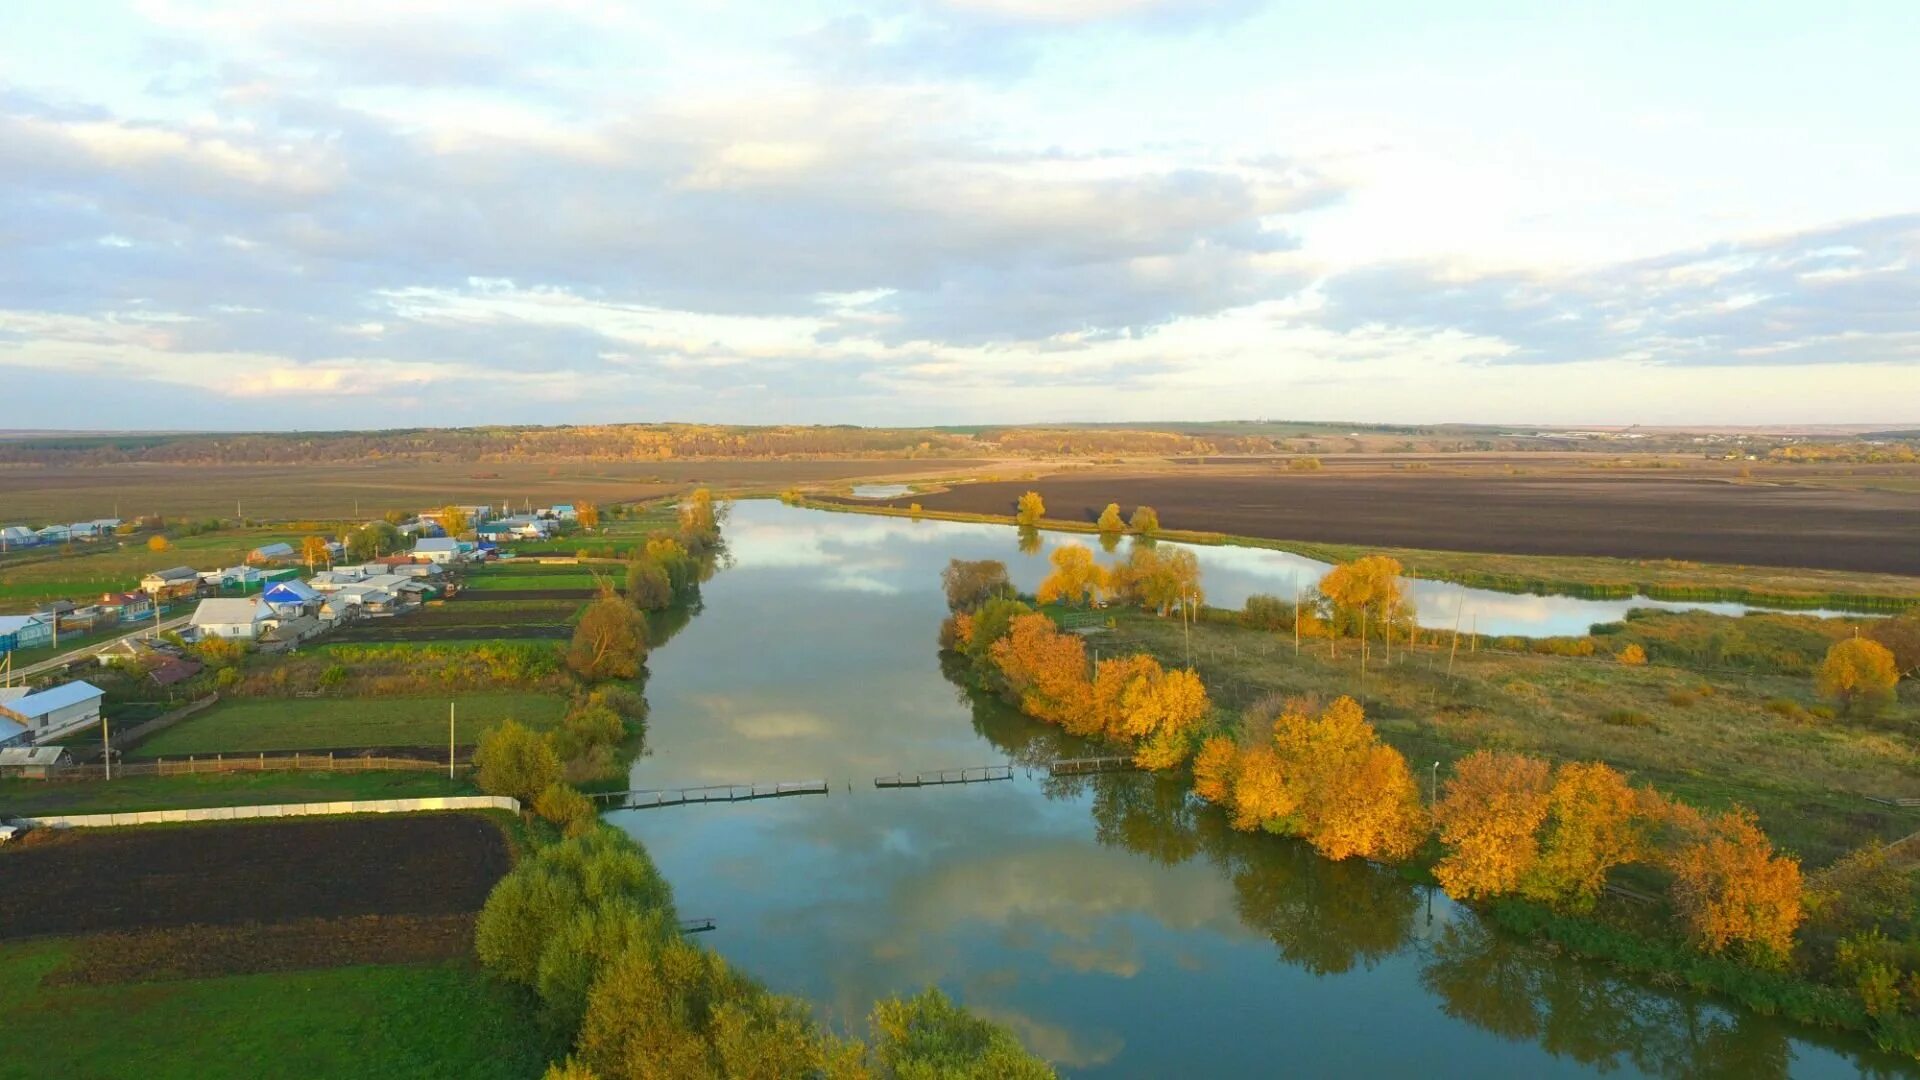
588	515
1633	656
1366	591
1032	509
1145	521
1261	793
1076	578
1160	579
1355	795
453	520
1858	672
1733	891
1110	522
1490	822
1213	769
157	543
1047	671
313	549
1595	822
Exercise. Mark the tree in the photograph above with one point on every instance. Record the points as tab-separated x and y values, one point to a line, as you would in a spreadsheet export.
700	521
1595	822
1490	820
1110	523
1213	769
372	540
609	640
1262	794
1146	521
1046	670
514	761
1733	891
157	543
453	521
648	586
682	574
1859	673
1159	579
1353	794
1633	656
588	515
313	549
969	584
1032	509
1076	578
1901	636
928	1036
565	807
1366	592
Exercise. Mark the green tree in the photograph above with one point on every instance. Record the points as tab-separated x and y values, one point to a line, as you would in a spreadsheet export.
1859	673
566	808
648	586
928	1036
609	640
514	761
1032	509
969	584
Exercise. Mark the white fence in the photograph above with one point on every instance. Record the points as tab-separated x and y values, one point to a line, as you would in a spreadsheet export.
281	810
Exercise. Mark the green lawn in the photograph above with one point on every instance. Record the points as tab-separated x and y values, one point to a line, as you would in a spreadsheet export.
432	1020
248	725
91	569
575	579
30	797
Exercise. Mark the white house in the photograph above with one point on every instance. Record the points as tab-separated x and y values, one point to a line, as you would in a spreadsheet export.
271	553
12	732
235	619
437	549
50	714
54	534
173	581
13	536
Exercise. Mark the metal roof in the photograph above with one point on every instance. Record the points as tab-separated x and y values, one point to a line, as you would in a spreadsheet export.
224	611
59	697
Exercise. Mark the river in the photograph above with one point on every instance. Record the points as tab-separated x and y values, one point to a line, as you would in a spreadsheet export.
1115	924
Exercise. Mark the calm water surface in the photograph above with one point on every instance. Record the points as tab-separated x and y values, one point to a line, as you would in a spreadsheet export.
1119	927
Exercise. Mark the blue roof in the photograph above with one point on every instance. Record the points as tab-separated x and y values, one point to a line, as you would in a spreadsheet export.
290	592
59	697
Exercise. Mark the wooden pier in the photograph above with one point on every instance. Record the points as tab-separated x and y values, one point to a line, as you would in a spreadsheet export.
696	926
650	799
975	774
1081	766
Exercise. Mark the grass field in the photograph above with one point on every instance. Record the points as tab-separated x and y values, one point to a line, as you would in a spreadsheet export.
255	724
438	1020
30	797
576	579
95	568
1709	738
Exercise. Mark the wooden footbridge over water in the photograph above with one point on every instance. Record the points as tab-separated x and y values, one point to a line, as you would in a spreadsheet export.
1084	765
973	774
657	797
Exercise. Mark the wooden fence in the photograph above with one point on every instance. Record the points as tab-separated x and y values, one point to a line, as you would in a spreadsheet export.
233	763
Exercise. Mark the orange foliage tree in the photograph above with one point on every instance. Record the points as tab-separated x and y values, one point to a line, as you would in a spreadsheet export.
1733	891
1047	671
1213	769
1595	822
1354	794
588	515
1858	672
1490	822
1076	578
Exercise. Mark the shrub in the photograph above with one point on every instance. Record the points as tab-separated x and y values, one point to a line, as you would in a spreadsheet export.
515	762
1627	718
1786	707
1681	698
1633	656
566	808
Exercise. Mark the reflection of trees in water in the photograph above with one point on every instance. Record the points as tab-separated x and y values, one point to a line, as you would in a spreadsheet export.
1579	1011
1324	916
1029	744
1029	540
662	625
1152	815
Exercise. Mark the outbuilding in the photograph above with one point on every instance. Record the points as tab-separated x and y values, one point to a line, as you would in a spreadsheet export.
235	619
52	713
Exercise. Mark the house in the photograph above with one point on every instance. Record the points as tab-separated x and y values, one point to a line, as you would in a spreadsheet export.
33	761
235	619
126	607
288	598
13	536
173	669
52	713
438	550
171	582
82	530
12	732
494	530
24	632
267	553
291	631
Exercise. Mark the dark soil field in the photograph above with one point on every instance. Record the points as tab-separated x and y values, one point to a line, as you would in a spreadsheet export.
84	882
475	632
1623	515
326	491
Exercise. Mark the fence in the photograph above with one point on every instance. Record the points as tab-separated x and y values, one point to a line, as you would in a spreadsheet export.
133	736
280	810
222	763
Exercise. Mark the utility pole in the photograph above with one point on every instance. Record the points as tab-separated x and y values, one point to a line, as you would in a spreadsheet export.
106	747
1433	788
1451	653
450	707
1473	644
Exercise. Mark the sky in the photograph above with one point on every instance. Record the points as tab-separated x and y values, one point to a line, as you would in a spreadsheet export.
377	213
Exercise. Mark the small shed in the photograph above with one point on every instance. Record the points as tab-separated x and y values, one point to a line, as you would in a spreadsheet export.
63	708
32	761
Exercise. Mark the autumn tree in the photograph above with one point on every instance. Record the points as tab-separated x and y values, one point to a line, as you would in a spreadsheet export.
1160	578
1490	821
1076	578
700	521
1145	521
588	515
313	549
566	808
1213	769
1595	822
1734	891
609	639
1633	656
1110	523
969	584
648	586
1900	635
453	520
1355	794
158	543
990	623
1136	700
1366	593
1261	795
1046	670
1032	509
1859	673
514	761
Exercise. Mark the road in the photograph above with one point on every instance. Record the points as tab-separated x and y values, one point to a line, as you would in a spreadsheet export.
94	649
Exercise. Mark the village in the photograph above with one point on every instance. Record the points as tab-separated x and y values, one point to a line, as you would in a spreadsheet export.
280	597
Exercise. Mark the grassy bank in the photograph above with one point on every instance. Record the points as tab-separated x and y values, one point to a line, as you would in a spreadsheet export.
255	724
1589	577
29	797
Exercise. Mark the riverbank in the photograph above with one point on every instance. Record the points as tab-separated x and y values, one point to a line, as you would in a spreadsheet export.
1585	577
